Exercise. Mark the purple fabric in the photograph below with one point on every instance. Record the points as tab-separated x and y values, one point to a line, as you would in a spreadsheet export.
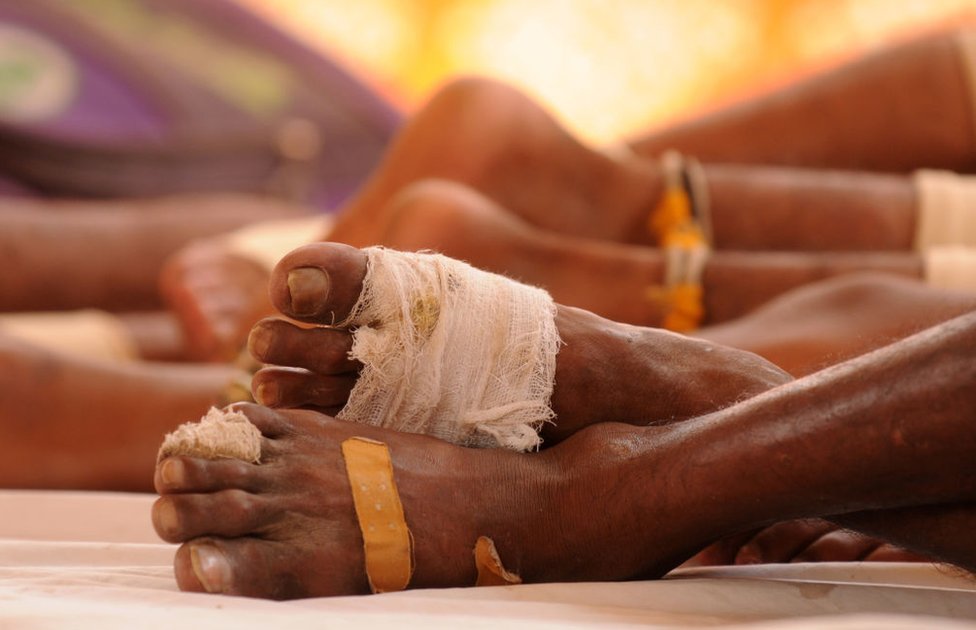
136	113
105	106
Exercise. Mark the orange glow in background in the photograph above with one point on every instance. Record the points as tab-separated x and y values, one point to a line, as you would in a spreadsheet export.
607	68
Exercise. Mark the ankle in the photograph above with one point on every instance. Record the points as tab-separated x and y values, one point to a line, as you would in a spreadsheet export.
640	185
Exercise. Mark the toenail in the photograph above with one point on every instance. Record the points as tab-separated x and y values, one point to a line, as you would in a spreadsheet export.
172	472
308	288
211	567
259	342
166	518
266	393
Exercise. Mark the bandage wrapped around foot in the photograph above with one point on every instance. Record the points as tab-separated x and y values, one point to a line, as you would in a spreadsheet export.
451	351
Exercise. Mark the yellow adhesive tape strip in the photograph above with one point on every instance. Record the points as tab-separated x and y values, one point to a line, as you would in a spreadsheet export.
490	569
386	538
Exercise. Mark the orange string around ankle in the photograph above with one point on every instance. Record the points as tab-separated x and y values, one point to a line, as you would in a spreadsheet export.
681	235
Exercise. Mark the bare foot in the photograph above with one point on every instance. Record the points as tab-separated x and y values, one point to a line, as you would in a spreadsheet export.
287	527
217	296
605	371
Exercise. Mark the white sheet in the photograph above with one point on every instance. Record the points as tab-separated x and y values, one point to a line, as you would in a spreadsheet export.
91	560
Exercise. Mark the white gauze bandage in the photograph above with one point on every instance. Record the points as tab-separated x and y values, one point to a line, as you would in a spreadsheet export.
451	351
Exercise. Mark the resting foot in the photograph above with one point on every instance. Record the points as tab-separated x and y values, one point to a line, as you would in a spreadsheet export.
287	527
604	370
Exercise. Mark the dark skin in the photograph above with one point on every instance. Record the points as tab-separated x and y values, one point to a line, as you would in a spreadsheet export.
73	423
548	199
56	240
844	118
266	530
695	375
461	223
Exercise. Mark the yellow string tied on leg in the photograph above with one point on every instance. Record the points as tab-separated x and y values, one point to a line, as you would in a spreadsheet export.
683	237
387	542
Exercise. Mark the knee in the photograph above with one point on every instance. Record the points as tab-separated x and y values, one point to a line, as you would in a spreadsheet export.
482	111
476	94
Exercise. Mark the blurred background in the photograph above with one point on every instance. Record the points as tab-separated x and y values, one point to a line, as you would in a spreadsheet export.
605	67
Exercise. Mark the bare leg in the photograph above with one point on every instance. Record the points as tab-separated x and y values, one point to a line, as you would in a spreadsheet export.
501	144
72	423
612	502
606	278
218	295
897	110
781	208
65	255
827	322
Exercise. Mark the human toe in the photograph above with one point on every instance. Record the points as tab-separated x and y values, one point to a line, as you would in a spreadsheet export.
320	350
227	513
297	388
176	475
254	567
319	283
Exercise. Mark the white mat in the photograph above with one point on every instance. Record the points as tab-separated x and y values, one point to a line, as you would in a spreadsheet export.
91	560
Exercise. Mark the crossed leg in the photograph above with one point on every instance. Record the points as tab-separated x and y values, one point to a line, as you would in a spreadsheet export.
286	528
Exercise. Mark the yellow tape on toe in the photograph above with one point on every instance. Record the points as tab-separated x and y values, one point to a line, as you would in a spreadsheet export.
386	538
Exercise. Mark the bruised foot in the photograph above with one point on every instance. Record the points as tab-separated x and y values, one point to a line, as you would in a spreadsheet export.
605	371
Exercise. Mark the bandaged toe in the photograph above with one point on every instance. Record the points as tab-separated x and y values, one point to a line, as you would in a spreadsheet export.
451	351
221	433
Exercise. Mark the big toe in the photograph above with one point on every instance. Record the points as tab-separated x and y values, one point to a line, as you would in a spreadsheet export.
319	283
256	567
